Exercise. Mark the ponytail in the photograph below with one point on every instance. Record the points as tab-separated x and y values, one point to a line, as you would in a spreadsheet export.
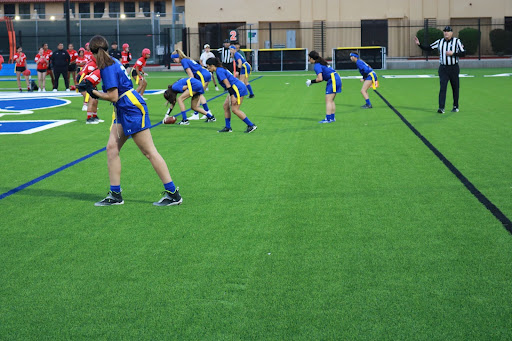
316	57
99	46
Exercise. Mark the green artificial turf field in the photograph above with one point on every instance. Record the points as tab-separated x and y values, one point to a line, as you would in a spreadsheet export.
303	231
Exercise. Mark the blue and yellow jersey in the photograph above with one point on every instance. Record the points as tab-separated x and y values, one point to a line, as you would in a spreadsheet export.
191	84
364	69
325	70
235	83
238	56
198	71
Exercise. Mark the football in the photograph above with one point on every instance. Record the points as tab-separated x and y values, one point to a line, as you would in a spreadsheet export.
26	72
169	120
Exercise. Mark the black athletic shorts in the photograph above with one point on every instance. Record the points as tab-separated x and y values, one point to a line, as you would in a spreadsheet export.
71	67
41	70
20	68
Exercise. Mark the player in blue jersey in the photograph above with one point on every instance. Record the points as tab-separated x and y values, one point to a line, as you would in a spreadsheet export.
189	88
325	73
244	68
131	119
236	92
194	70
369	78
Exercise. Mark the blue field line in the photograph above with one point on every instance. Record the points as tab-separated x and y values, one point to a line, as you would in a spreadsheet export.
53	172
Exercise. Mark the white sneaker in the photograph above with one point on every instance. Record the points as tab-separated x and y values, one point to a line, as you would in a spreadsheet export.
54	90
207	89
194	117
67	90
44	90
84	107
39	90
216	88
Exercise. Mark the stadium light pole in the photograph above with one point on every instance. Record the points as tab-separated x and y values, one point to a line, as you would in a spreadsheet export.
68	38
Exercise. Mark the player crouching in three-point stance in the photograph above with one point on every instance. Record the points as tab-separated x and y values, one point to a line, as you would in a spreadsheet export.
369	78
188	87
236	92
325	73
132	119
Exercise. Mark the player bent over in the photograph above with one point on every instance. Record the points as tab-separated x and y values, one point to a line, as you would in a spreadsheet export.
236	92
132	119
369	78
188	87
325	73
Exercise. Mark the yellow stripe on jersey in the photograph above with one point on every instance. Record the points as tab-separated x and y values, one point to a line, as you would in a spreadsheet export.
80	81
189	87
202	79
333	78
237	94
246	72
136	102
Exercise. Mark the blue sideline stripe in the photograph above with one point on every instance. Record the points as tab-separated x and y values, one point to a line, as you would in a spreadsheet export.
53	172
42	177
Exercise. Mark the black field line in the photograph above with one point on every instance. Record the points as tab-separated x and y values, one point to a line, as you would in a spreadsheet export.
465	181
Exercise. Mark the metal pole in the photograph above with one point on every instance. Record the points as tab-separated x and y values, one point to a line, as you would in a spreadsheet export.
270	33
479	41
425	35
67	23
250	36
80	27
118	37
172	25
322	30
153	32
37	33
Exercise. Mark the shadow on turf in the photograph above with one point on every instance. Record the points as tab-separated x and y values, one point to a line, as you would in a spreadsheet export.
85	197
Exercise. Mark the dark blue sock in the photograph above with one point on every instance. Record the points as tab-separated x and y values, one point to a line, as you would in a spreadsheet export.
205	107
249	87
368	102
209	115
331	117
248	122
116	189
170	187
228	122
184	115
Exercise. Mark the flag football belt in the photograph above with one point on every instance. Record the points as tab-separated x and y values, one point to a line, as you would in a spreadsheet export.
202	80
246	72
237	94
375	84
189	86
135	102
333	78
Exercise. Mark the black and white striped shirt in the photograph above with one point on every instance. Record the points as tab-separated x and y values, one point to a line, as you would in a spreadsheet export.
443	45
225	55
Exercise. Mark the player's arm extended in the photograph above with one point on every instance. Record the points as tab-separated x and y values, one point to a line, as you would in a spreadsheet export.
112	95
189	72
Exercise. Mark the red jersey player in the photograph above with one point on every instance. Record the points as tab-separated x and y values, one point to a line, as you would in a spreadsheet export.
88	54
92	107
126	56
138	71
87	69
48	53
21	66
72	62
80	60
42	67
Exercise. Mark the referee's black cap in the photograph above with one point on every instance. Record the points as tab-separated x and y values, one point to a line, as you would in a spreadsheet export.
447	29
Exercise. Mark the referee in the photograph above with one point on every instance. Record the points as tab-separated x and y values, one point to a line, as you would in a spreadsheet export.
450	49
225	55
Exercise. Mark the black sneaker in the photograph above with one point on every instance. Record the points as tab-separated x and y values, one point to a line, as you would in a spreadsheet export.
91	120
211	119
440	111
225	130
455	109
112	198
184	122
170	199
97	119
366	106
251	96
21	90
250	129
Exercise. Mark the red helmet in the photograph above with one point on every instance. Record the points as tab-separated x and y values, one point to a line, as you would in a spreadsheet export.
125	46
81	49
145	52
86	44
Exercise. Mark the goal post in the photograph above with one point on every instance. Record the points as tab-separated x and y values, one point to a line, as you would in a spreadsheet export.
375	56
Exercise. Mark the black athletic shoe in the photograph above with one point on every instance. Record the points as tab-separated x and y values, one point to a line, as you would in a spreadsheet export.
441	111
250	129
366	106
91	120
184	122
225	130
251	96
112	198
170	199
211	119
455	109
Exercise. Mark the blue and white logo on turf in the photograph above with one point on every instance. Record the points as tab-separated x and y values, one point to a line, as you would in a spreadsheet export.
29	127
21	106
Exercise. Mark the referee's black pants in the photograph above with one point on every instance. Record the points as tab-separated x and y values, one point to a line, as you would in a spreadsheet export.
57	71
449	73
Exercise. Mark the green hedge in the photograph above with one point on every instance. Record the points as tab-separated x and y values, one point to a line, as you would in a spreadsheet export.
501	41
433	35
470	37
